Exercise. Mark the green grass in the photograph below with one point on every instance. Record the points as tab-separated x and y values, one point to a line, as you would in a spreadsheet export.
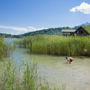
3	48
57	45
24	78
87	28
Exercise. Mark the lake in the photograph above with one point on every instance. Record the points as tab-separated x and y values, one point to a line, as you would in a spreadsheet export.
55	70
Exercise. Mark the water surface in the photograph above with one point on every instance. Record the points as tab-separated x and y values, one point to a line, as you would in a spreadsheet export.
55	70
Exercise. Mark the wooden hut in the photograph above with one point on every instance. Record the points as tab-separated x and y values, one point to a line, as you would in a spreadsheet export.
68	32
81	31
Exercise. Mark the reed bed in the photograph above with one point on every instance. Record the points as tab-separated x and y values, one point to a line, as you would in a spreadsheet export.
58	45
3	48
24	78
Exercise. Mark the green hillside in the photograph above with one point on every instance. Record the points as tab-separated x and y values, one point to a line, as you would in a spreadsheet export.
50	31
87	28
9	35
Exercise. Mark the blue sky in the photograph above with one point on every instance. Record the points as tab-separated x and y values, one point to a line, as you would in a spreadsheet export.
20	16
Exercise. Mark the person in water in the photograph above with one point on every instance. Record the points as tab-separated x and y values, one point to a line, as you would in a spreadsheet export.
69	59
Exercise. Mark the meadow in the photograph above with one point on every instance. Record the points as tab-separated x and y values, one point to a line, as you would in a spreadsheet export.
57	45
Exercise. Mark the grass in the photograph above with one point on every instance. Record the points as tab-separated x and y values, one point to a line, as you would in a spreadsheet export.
87	28
24	78
57	45
3	48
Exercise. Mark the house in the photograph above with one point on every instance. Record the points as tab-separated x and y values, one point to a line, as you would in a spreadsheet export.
68	32
81	31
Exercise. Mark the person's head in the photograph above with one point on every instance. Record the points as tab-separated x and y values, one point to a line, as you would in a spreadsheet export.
66	57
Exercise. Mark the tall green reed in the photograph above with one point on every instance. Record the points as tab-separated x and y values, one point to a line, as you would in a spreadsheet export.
3	48
24	78
58	45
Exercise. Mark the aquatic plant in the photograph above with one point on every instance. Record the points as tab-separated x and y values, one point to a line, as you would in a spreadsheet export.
24	78
58	45
3	48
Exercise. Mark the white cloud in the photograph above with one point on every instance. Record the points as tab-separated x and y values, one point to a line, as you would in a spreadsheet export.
84	8
20	30
30	28
13	28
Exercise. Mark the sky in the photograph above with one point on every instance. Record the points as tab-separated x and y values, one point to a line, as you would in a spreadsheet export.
22	16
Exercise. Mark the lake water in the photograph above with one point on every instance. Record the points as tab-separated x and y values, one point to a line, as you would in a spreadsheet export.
55	70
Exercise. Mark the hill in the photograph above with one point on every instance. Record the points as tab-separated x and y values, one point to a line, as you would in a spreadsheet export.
87	23
50	31
9	35
87	28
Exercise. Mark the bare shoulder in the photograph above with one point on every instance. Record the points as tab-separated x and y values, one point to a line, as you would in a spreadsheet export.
71	58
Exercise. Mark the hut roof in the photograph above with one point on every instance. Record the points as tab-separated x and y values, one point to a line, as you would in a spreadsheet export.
68	30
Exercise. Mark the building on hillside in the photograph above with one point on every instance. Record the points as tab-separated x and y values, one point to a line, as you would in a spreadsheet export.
78	32
68	32
82	32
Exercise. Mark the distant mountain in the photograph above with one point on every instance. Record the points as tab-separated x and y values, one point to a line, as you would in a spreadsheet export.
87	23
50	31
9	35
